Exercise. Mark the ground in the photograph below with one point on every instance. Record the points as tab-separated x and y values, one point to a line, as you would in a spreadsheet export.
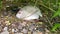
8	18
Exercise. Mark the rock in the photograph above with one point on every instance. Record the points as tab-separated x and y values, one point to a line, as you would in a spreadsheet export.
24	23
25	31
32	27
29	32
40	29
19	33
13	30
13	25
7	22
0	28
5	31
5	28
34	32
5	13
20	27
16	30
40	33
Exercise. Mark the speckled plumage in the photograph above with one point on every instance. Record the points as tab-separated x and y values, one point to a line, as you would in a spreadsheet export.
28	13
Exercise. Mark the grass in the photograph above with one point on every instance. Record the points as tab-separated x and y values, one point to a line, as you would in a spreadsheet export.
48	7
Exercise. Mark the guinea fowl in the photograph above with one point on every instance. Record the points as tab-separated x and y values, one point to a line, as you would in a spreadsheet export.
29	13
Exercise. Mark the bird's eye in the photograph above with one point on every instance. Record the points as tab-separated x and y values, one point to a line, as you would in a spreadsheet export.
19	12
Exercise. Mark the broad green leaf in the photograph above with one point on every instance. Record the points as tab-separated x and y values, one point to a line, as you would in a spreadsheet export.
56	25
56	13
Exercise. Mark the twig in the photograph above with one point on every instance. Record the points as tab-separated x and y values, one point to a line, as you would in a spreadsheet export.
49	21
36	3
47	7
